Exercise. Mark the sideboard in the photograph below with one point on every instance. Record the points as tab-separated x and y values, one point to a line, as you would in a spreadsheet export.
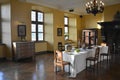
23	50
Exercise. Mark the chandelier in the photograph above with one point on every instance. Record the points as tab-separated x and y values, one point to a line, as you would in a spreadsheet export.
94	7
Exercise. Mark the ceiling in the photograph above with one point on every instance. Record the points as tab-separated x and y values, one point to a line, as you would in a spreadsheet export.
66	5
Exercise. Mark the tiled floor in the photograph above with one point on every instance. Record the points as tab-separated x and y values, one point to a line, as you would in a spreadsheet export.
42	69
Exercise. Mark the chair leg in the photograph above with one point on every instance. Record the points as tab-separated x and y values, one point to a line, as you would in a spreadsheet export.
103	57
94	64
56	69
86	64
62	68
100	58
97	64
69	68
90	63
107	58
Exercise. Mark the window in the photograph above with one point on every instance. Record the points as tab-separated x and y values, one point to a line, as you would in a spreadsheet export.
0	26
37	26
66	28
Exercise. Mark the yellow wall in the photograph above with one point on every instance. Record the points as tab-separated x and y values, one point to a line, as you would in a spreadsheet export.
58	22
53	19
80	27
41	46
20	13
110	11
90	21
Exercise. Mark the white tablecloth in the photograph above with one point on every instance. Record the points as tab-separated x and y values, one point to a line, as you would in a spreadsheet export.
77	60
103	49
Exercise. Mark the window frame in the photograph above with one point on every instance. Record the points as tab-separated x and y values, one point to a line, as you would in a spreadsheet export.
0	26
66	25
37	23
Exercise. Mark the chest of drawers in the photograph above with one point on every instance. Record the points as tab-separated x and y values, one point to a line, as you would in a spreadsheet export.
23	50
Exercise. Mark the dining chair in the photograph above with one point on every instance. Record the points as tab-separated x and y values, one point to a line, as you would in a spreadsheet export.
94	59
60	46
58	61
105	51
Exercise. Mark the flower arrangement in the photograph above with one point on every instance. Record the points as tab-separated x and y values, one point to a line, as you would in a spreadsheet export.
77	50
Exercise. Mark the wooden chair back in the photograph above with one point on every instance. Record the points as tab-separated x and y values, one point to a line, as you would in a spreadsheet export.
58	56
97	51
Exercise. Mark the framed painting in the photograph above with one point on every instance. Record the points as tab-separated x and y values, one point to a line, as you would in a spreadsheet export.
21	30
59	31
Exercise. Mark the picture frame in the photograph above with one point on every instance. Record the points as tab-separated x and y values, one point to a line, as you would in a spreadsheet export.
59	31
21	30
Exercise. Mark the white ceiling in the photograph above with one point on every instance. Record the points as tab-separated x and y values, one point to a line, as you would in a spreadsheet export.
66	5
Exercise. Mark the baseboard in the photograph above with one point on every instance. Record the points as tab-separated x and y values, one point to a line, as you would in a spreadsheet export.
43	52
3	59
50	51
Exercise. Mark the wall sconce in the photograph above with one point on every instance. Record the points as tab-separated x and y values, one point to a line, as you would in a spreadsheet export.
98	26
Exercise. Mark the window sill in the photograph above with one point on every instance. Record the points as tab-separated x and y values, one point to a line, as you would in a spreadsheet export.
40	41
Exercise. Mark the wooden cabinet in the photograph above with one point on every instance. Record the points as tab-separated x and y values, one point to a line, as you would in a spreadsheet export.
2	51
23	50
110	32
89	36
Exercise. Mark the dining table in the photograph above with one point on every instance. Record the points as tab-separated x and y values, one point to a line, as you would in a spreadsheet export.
78	59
